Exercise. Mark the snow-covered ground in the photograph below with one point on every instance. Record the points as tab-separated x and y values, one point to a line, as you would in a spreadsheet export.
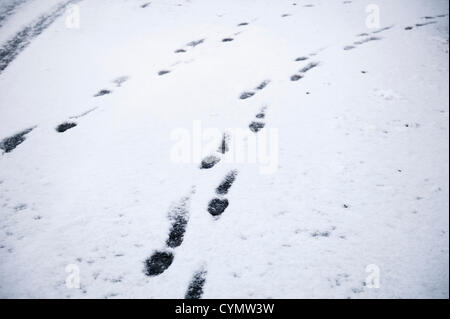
353	188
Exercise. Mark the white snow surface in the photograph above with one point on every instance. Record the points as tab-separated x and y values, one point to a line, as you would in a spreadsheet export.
362	176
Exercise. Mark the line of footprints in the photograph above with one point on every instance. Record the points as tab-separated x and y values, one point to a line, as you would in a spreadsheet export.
178	215
8	144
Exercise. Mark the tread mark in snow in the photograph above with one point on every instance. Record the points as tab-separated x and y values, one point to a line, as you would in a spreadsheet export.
310	66
163	72
65	126
227	40
179	215
120	80
10	143
296	77
255	127
158	263
217	206
195	289
382	29
302	58
263	84
180	51
226	184
246	95
223	148
195	43
242	24
366	40
425	23
102	92
145	5
209	162
302	72
13	47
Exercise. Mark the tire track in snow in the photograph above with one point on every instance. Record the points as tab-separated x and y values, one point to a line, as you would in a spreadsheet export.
9	9
14	46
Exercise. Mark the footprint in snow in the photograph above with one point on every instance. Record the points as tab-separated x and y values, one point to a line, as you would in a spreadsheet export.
8	144
195	289
158	263
247	94
65	126
102	92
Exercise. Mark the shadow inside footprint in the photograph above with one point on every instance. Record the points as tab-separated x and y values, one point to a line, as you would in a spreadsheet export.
158	263
163	72
10	143
227	40
226	184
65	126
296	77
217	206
195	289
209	162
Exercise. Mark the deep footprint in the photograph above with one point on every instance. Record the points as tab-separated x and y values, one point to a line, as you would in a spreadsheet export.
195	289
65	126
217	206
158	263
226	184
10	143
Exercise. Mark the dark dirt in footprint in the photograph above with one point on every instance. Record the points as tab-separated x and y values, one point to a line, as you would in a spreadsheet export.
217	206
65	126
246	95
209	162
10	143
226	184
255	127
102	92
195	289
158	263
